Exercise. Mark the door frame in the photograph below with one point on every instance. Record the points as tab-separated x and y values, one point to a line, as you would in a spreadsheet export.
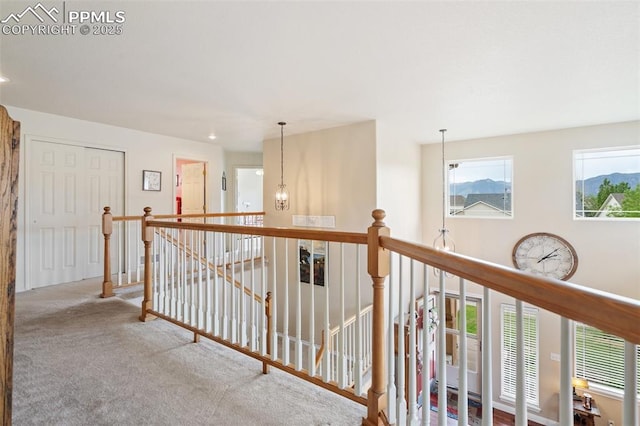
176	158
28	168
479	300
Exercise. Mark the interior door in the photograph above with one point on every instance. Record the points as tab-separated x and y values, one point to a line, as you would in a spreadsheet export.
105	179
193	188
68	186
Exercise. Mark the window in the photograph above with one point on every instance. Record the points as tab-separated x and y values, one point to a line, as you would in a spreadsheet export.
480	188
599	357
607	183
508	353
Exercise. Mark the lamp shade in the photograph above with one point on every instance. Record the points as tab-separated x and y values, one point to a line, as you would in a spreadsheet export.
578	382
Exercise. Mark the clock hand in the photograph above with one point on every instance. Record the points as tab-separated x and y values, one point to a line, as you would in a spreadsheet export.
549	255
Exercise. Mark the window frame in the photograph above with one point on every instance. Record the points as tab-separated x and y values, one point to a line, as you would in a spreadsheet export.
580	364
449	194
574	165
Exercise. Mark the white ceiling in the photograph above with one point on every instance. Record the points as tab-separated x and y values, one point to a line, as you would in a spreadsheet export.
187	69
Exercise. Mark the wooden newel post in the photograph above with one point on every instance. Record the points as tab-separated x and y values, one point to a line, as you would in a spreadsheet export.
267	313
107	230
147	238
9	164
378	268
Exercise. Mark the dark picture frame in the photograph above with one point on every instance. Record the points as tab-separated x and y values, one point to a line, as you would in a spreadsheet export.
312	253
151	180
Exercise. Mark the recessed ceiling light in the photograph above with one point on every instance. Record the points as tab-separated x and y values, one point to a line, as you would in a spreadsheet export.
212	136
3	79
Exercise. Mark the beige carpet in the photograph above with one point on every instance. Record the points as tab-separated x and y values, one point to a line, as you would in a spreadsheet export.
82	360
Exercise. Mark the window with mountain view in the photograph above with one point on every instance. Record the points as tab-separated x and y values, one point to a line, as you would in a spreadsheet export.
607	183
480	188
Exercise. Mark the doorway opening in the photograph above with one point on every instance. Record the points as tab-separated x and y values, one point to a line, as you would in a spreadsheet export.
249	183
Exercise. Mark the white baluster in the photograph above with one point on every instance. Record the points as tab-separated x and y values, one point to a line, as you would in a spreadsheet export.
521	384
391	368
566	357
442	352
285	319
298	353
630	402
413	397
463	396
357	369
400	361
487	355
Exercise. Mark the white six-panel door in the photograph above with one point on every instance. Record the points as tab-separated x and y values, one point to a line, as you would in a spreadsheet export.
193	188
67	189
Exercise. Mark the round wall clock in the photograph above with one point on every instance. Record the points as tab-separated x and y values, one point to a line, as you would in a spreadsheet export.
545	254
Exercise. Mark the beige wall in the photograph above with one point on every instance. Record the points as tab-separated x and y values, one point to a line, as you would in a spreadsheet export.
399	184
331	173
608	251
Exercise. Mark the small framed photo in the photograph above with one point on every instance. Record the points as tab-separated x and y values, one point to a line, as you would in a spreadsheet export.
312	258
151	180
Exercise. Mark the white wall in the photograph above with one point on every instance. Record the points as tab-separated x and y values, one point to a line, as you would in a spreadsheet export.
142	151
232	160
608	251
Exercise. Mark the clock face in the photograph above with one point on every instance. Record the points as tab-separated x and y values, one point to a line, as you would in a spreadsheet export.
545	254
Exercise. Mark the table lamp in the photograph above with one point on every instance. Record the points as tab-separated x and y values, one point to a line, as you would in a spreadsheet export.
578	382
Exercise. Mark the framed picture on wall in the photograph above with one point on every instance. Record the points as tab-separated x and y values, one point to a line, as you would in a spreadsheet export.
312	254
151	180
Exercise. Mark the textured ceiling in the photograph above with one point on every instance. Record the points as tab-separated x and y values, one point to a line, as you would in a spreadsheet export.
188	69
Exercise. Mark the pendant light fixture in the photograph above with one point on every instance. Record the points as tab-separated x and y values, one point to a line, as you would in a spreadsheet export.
443	241
282	194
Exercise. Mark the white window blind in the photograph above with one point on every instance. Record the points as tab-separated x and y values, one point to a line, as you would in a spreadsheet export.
508	353
599	357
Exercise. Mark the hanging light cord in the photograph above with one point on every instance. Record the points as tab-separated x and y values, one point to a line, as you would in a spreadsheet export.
444	205
282	152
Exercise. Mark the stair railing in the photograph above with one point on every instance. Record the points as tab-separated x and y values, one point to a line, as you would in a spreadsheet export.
403	396
398	389
191	263
123	252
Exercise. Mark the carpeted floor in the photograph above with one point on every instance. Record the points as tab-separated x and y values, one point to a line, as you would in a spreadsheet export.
82	360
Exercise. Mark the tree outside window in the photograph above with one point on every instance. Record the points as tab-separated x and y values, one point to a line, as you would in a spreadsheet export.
607	183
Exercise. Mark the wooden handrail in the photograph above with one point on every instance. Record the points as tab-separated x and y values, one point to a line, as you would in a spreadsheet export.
606	311
190	216
198	215
350	320
305	234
